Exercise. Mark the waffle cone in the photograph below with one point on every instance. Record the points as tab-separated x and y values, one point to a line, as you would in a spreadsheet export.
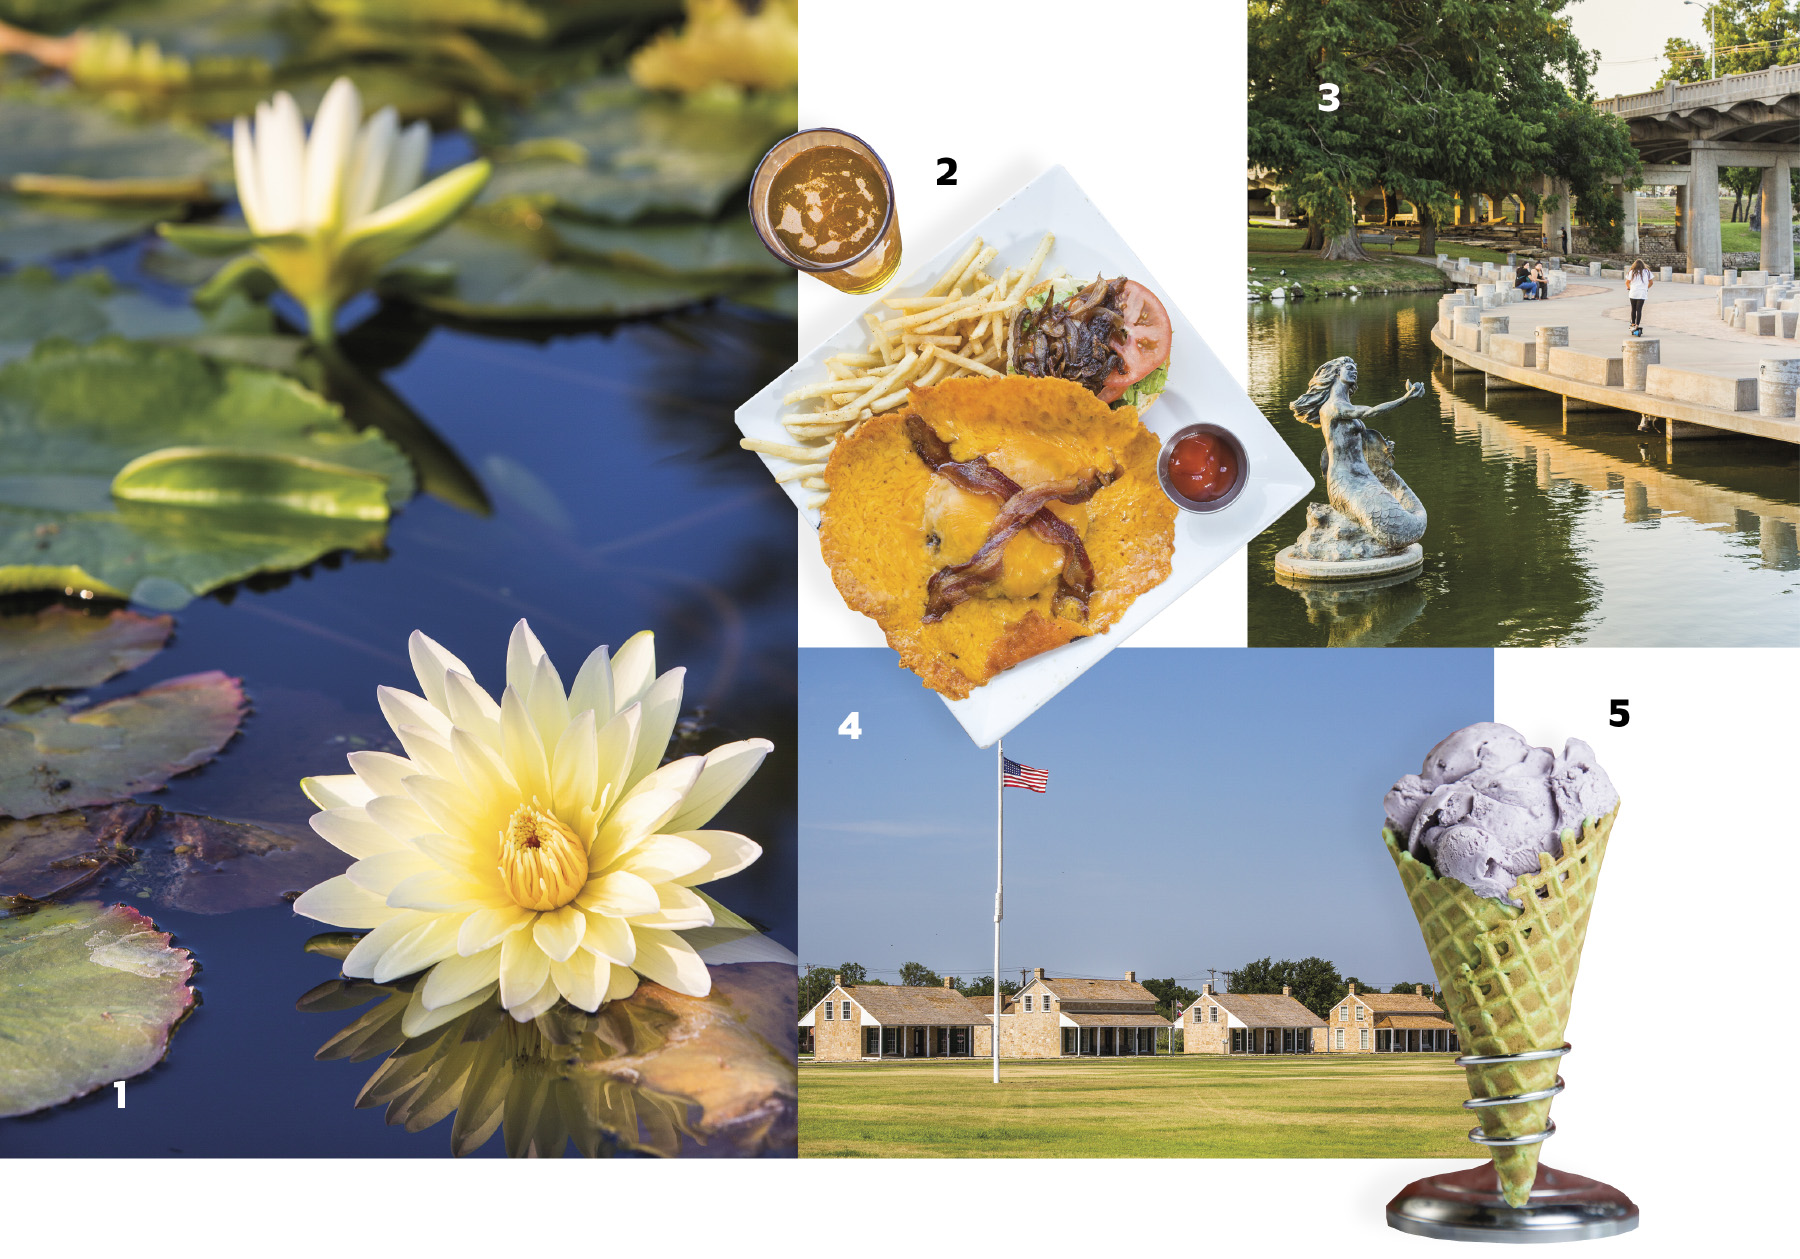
1507	976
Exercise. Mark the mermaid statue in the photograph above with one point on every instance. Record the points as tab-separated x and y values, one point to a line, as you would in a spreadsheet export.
1373	516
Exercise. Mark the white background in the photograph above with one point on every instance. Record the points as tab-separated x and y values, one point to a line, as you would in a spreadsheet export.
1143	103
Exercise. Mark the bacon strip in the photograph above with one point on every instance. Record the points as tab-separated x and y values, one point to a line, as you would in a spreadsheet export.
1019	509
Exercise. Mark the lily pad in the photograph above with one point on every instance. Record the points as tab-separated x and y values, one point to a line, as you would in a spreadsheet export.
728	248
510	17
35	305
67	757
53	855
89	994
46	137
609	150
642	1074
61	648
73	418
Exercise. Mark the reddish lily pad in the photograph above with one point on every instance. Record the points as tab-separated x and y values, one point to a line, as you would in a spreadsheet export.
55	854
66	757
89	994
61	648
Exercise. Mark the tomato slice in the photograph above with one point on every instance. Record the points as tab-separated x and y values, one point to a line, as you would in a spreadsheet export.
1146	344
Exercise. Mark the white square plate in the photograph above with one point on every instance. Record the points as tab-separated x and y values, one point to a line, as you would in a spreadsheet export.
1199	388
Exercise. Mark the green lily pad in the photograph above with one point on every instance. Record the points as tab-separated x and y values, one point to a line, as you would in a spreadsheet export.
482	270
728	248
89	994
35	305
72	418
535	21
609	150
216	31
67	757
48	137
61	648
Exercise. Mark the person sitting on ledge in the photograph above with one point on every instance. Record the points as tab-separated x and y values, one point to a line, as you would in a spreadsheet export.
1522	280
1542	281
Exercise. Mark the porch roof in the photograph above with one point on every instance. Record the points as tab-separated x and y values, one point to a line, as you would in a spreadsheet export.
1406	1021
1115	1020
892	1006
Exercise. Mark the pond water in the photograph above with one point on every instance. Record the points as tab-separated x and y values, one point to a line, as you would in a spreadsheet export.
1537	536
620	502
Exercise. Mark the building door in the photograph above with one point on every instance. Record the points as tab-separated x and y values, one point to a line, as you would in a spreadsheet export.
1237	1040
917	1049
871	1042
959	1042
1069	1045
890	1042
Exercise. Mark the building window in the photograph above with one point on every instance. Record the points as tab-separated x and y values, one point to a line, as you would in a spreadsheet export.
1340	1038
830	1007
846	1011
1028	1005
1343	1014
1364	1036
1215	1012
1196	1016
1359	1014
871	1041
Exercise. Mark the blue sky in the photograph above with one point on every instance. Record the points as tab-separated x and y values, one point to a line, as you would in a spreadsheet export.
1206	807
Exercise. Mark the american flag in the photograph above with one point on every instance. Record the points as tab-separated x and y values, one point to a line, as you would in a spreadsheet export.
1017	775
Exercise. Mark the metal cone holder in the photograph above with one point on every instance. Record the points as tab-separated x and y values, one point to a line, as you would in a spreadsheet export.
1468	1206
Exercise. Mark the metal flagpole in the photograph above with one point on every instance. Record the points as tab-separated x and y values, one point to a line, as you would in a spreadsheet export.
999	885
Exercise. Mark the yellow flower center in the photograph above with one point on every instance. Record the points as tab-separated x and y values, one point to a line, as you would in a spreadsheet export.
543	865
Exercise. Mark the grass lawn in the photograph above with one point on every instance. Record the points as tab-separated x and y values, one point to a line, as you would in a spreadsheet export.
1277	249
1309	1106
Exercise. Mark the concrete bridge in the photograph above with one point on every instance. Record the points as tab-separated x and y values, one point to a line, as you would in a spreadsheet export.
1748	119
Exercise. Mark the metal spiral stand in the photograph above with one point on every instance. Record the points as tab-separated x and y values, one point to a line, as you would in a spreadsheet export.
1468	1206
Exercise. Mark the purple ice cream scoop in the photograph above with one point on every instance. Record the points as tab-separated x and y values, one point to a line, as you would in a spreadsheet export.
1486	803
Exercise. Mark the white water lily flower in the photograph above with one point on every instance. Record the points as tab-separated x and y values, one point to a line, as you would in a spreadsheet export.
532	846
325	213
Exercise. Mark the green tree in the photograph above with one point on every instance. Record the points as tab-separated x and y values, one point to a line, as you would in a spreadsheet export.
1316	984
1430	990
818	981
983	986
1752	35
1436	98
1170	994
919	975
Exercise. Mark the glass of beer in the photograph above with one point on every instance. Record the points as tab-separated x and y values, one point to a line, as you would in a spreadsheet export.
823	203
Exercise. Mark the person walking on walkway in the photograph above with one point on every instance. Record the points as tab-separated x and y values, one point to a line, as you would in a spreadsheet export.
1637	288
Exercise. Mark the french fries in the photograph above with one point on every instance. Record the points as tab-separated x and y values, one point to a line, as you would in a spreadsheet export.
957	327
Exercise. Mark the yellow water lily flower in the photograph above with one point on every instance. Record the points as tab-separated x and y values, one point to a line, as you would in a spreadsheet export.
533	846
326	212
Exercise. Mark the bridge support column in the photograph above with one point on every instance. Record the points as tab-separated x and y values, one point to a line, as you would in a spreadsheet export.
1628	218
1777	220
1682	217
1704	249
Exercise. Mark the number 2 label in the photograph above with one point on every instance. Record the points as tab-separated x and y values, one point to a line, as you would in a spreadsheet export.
949	175
851	726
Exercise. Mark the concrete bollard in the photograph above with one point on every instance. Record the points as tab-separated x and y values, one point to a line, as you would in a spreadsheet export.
1754	277
1514	295
1777	381
1484	290
1764	323
1790	323
1443	258
1490	324
1639	354
1699	274
1463	263
1593	268
1666	274
1548	336
1742	307
1731	275
1464	317
1512	260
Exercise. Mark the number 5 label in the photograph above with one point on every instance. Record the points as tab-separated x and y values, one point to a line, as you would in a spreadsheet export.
1330	103
851	726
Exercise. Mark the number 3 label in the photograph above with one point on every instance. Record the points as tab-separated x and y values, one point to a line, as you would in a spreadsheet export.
851	726
1330	103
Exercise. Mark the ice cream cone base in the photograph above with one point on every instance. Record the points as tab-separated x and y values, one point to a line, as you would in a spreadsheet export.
1468	1206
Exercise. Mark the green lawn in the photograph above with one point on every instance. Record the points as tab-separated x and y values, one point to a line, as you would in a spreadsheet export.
1313	1106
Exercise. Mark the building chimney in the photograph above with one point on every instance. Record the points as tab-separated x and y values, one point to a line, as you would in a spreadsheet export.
1131	977
1039	972
1419	988
838	979
1206	989
1353	989
1286	990
949	982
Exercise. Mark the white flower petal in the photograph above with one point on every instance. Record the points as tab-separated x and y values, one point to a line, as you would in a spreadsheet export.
381	872
337	791
342	903
581	979
523	651
473	709
636	819
727	853
485	928
244	168
618	895
328	153
523	969
667	959
615	750
522	750
368	951
368	166
418	1019
609	938
633	669
664	858
545	701
439	891
353	831
457	977
723	773
406	165
430	663
575	772
547	996
451	807
662	709
281	155
559	932
624	982
430	753
382	772
403	708
427	944
592	688
681	910
399	817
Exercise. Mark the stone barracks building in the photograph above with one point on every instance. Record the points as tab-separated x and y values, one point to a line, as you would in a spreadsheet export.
890	1021
1389	1022
1068	1018
1249	1023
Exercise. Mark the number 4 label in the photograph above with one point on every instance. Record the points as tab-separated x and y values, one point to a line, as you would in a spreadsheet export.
851	726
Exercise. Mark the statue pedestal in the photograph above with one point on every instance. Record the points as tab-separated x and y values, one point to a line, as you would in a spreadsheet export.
1287	564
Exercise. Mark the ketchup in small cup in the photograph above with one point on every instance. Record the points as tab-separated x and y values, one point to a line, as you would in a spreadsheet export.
1202	467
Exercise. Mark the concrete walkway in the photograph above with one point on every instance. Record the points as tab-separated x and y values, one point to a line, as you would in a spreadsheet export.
1712	367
